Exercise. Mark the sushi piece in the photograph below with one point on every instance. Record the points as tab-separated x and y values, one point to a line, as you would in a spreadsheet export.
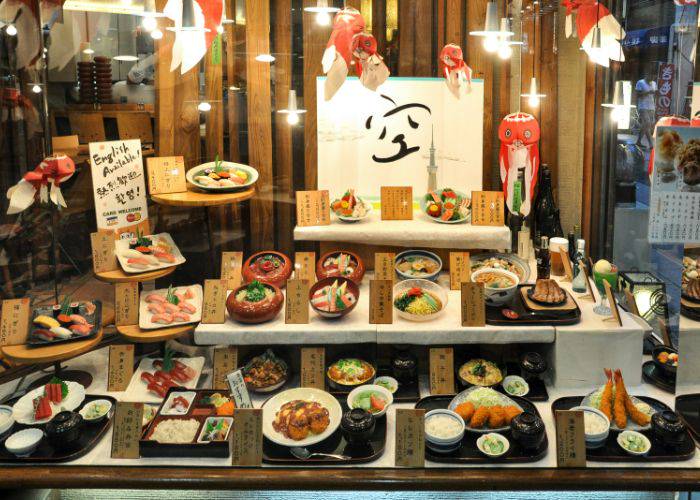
181	316
138	262
61	332
90	308
42	408
154	297
75	307
44	334
64	319
189	294
131	254
170	308
56	310
163	319
164	257
80	329
78	319
187	307
156	308
54	392
46	321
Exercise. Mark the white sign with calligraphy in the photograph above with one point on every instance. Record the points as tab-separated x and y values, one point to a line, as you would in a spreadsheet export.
118	184
384	137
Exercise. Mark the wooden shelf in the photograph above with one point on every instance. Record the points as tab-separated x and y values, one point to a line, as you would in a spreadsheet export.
25	355
119	276
139	336
192	198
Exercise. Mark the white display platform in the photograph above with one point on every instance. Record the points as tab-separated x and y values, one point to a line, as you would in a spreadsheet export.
688	373
419	232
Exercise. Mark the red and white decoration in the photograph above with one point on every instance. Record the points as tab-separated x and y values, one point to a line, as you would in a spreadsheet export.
191	45
519	134
338	54
369	65
458	76
589	14
51	172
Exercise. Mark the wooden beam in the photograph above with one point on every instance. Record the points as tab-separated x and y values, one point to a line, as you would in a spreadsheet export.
379	24
416	56
165	88
549	106
213	93
232	78
259	121
454	22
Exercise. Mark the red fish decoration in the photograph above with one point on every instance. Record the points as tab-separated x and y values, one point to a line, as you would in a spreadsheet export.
369	65
589	14
456	72
519	134
337	57
51	172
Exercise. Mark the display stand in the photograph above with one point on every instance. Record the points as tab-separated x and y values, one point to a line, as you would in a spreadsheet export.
119	276
139	336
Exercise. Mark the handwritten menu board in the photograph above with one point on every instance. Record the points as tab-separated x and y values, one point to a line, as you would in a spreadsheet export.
460	269
313	367
410	438
305	266
239	391
247	438
397	202
384	266
225	361
231	265
473	304
631	303
120	368
103	257
166	174
612	302
126	304
380	302
442	379
487	208
126	430
296	310
571	439
14	321
214	305
313	208
568	270
118	184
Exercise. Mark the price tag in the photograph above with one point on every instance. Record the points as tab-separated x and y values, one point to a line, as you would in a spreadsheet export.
14	322
410	438
380	298
313	367
613	303
239	391
247	438
214	306
305	266
384	266
126	304
487	208
313	208
460	269
166	175
632	303
473	304
568	270
663	329
397	202
225	361
103	257
296	309
442	378
126	430
571	439
231	265
121	367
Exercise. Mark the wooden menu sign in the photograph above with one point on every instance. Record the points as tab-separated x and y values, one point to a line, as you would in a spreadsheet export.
225	361
397	202
313	208
568	269
296	309
247	438
120	368
571	439
632	303
126	304
214	305
126	430
14	321
460	269
473	304
384	266
410	438
380	302
487	208
103	257
166	174
613	303
313	367
442	378
305	266
231	265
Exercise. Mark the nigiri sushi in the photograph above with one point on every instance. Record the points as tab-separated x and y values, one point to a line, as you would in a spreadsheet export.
46	321
130	253
60	332
170	308
154	297
156	308
138	262
189	294
186	306
78	319
181	316
44	334
80	329
164	257
163	319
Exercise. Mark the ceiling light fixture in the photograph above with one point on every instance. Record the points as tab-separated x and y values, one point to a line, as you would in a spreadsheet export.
323	12
292	111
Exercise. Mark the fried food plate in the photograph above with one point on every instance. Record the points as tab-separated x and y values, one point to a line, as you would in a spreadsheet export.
273	405
503	400
593	399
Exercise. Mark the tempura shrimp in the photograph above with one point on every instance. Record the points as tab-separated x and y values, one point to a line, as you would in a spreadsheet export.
638	417
606	397
619	410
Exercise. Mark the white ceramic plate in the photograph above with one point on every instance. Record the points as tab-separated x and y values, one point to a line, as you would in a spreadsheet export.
145	322
23	409
346	218
194	172
137	391
631	426
424	206
463	397
272	406
121	245
188	395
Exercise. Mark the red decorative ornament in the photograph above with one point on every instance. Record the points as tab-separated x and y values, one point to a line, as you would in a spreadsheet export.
44	179
369	65
456	72
589	14
519	134
337	57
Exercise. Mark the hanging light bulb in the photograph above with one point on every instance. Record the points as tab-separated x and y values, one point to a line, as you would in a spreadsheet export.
149	23
204	106
621	104
156	34
292	111
36	88
505	51
150	15
492	34
533	97
188	23
323	12
266	58
220	29
596	51
11	30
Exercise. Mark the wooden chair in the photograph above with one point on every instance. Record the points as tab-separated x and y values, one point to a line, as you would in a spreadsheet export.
136	125
88	126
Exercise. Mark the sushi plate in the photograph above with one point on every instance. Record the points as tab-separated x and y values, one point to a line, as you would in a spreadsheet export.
503	400
23	410
95	319
199	169
145	322
137	391
122	245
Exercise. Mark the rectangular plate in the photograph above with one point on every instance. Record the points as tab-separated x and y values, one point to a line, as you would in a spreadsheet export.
145	322
137	390
468	452
336	444
89	437
95	318
612	452
547	318
121	245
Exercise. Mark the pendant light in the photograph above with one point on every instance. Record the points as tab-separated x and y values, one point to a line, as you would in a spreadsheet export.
150	16
292	111
187	23
323	12
493	32
10	29
534	97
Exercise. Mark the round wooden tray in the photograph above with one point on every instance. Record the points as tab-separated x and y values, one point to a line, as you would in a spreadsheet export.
139	336
119	276
192	198
26	355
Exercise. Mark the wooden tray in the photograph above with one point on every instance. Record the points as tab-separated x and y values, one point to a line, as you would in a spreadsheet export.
652	375
45	452
94	318
468	452
336	444
547	316
612	452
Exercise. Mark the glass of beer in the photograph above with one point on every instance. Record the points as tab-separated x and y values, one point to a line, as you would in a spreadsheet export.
556	245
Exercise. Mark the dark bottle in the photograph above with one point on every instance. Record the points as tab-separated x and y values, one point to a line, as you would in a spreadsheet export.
572	246
542	258
546	213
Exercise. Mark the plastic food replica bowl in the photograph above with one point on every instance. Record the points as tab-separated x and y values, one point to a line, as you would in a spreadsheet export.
371	387
254	312
427	285
515	378
351	287
595	440
647	444
444	444
356	275
666	368
500	437
84	410
24	442
419	253
387	380
497	296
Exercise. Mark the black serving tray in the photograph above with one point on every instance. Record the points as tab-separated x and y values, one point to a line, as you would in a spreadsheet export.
612	452
688	408
95	319
468	452
46	453
336	444
652	375
538	389
530	318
